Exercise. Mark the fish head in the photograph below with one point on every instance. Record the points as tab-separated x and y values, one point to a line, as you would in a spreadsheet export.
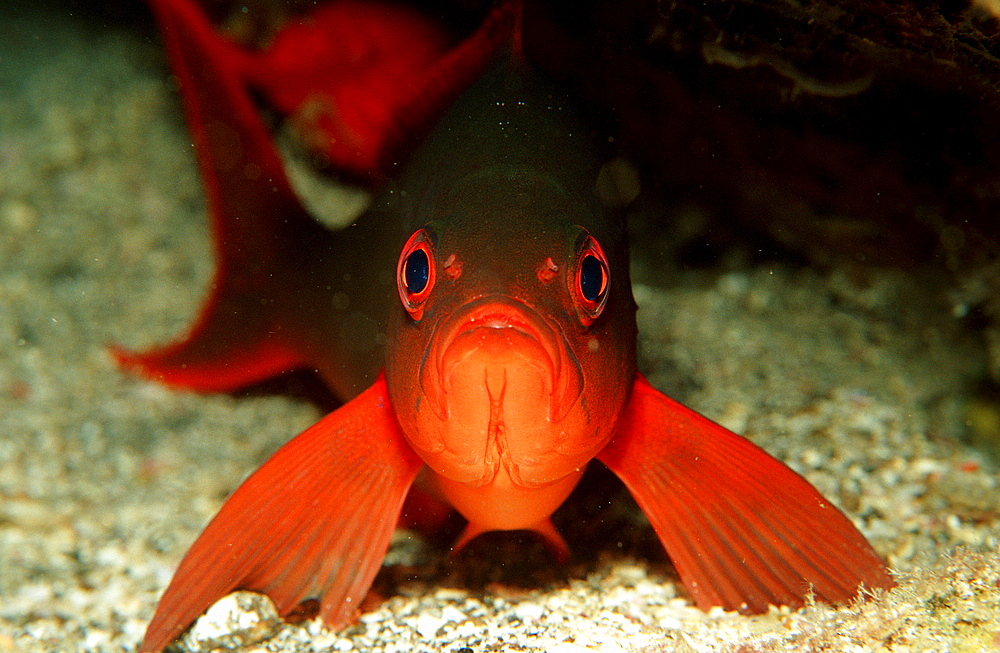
512	352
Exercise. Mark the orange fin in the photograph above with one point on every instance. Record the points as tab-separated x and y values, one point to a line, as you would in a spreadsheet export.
313	522
259	225
743	530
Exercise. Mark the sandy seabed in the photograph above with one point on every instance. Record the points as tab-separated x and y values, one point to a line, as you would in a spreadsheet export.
859	381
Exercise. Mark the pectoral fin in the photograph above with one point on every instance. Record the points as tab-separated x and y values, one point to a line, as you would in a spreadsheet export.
743	530
313	522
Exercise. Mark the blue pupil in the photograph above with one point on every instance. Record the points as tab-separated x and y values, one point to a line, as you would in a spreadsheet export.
416	271
591	278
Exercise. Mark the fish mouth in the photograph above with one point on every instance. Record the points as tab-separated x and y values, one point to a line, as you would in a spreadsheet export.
498	378
504	334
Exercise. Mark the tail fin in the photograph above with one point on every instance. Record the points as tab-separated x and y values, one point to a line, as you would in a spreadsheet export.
743	530
256	219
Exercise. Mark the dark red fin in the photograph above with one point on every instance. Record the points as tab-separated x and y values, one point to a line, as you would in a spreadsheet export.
257	221
743	530
364	81
342	72
314	522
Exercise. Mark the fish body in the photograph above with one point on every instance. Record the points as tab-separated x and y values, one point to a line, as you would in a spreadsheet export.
506	378
479	323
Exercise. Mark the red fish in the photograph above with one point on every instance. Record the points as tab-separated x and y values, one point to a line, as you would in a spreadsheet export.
479	323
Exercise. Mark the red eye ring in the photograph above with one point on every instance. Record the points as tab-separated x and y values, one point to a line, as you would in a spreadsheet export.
591	279
416	272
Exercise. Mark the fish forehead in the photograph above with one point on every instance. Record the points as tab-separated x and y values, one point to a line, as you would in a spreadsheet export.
507	182
510	133
506	214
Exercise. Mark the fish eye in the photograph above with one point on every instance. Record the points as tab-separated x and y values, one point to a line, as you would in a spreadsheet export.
591	280
415	273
